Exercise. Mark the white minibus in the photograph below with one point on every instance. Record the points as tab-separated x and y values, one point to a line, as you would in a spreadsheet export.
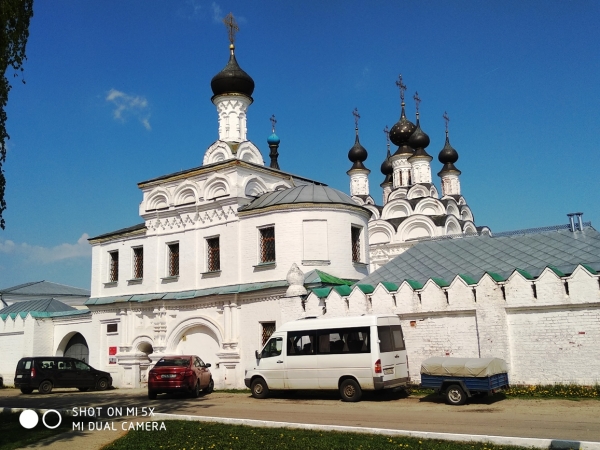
350	354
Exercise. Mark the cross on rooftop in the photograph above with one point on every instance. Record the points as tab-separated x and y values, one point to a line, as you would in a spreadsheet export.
446	119
232	26
356	117
386	130
402	87
273	121
417	100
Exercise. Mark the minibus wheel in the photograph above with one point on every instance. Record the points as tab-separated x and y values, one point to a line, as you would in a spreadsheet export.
259	388
350	391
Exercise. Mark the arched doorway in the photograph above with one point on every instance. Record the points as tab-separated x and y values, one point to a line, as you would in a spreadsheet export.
77	348
199	340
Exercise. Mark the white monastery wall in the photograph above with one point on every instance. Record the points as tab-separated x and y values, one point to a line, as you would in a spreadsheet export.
549	339
12	343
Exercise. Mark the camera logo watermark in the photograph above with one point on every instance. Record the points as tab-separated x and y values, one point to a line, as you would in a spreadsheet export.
29	419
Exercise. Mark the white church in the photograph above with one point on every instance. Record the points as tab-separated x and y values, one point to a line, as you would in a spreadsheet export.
230	250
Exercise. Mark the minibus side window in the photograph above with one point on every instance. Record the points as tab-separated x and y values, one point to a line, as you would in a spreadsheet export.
273	348
301	343
385	339
344	340
397	337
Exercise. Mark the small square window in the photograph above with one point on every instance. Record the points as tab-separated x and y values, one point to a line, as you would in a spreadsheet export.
356	244
173	259
138	262
112	328
267	244
213	253
113	270
268	328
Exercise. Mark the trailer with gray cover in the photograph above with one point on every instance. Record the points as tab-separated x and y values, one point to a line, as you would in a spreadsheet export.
458	379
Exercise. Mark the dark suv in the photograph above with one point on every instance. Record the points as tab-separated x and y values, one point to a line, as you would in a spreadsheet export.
46	372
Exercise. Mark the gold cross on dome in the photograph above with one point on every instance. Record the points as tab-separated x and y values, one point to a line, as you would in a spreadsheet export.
446	119
232	26
273	121
417	100
356	117
386	130
402	87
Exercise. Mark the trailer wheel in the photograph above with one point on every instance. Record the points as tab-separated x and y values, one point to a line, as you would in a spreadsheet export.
455	395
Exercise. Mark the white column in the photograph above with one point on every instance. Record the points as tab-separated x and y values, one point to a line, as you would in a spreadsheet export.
234	322
227	322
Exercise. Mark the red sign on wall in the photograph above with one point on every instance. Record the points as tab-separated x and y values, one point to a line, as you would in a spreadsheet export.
112	351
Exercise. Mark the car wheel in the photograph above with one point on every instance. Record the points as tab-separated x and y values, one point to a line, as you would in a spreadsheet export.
259	388
455	395
211	387
83	389
350	391
26	390
196	390
102	384
45	387
151	395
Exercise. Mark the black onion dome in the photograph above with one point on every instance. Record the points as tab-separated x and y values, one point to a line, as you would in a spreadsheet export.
386	165
232	79
448	154
402	130
357	155
419	139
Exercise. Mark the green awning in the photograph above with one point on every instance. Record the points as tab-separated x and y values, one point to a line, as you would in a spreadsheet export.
440	282
391	287
344	291
556	271
468	279
589	269
496	277
526	274
366	288
322	292
414	284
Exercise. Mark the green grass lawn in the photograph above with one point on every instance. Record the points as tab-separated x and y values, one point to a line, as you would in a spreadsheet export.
13	435
205	436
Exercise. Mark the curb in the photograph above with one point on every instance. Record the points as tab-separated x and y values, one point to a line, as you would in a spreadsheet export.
554	444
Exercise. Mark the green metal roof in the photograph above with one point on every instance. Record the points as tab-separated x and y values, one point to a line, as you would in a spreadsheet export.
222	290
49	305
528	252
330	279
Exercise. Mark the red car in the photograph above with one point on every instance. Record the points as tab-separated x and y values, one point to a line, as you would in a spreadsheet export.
185	373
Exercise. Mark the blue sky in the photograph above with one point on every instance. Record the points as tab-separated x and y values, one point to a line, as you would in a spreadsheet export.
119	92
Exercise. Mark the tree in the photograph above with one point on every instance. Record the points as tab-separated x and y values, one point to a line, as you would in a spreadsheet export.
14	31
